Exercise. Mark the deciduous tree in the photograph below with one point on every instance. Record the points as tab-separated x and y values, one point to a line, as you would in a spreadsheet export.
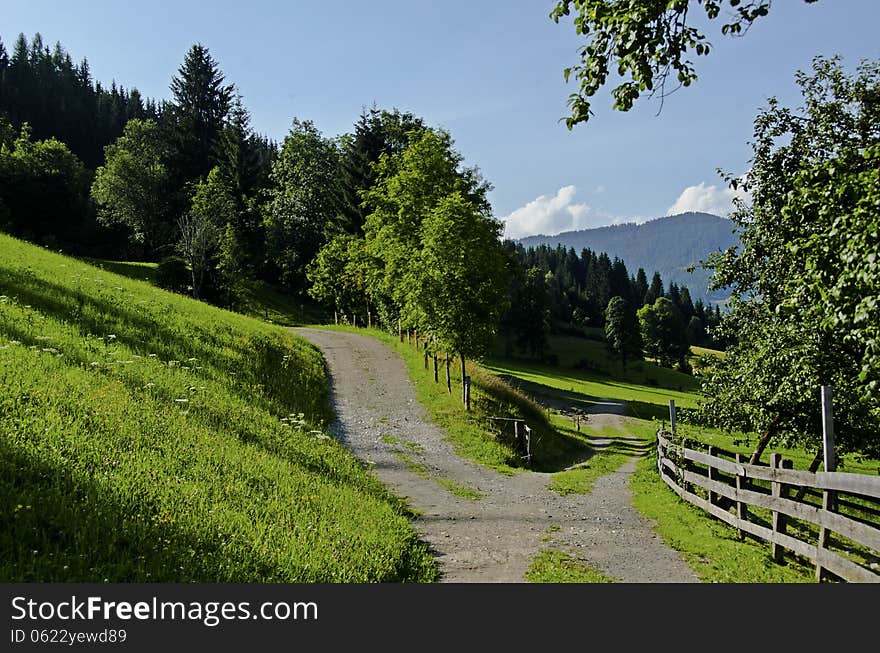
645	40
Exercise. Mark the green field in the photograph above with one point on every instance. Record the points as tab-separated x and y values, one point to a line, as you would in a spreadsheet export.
712	548
586	373
148	437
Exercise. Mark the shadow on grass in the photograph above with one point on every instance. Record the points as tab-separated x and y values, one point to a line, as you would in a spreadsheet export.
135	271
56	526
256	359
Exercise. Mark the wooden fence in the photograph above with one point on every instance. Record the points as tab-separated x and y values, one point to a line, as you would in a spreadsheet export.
829	518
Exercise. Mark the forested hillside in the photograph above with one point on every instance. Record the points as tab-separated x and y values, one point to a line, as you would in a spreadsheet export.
668	245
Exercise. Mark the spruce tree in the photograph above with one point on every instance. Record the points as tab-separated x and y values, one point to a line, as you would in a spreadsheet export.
200	108
641	288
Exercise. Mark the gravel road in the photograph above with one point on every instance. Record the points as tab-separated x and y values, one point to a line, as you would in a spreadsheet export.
494	538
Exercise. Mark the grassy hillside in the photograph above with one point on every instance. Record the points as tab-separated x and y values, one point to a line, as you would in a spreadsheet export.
259	299
145	436
585	372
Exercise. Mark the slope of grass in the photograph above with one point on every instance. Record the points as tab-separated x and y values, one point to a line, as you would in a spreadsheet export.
258	299
145	436
584	372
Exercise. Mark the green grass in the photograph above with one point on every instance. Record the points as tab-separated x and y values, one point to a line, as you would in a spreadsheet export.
460	490
554	566
473	435
604	460
258	299
712	548
262	301
403	450
147	437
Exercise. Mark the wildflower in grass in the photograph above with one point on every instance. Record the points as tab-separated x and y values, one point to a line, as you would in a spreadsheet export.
94	363
182	401
111	336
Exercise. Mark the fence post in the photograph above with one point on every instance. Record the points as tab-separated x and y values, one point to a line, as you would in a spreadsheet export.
778	492
369	320
528	445
828	498
335	318
713	497
436	375
448	377
399	330
672	415
467	392
742	510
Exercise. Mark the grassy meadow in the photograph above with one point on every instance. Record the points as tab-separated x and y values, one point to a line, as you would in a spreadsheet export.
148	437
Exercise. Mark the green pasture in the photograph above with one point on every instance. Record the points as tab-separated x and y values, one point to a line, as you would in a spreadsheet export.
148	437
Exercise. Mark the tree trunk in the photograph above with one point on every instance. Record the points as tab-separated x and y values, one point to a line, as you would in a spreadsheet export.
448	376
814	466
764	441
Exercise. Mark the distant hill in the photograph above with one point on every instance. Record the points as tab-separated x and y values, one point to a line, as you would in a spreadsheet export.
668	245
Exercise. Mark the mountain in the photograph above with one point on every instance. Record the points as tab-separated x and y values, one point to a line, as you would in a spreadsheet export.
667	245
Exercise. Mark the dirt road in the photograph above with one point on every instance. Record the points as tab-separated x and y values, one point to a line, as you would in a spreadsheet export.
496	537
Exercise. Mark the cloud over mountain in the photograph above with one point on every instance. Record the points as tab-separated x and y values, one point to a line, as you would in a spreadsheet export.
705	199
553	214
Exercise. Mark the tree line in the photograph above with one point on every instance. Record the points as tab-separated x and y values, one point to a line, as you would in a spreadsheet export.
385	222
555	290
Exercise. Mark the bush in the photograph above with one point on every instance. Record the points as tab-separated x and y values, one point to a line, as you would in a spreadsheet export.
172	274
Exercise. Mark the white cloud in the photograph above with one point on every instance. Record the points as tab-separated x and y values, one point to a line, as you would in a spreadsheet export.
553	214
706	199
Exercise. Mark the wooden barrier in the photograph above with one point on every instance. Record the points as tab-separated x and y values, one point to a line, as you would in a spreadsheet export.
732	486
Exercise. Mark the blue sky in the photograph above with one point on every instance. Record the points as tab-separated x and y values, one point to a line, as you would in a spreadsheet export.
489	71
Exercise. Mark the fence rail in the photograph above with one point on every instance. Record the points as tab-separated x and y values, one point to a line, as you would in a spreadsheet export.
727	489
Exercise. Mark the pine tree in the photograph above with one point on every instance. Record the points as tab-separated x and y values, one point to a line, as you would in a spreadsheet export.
655	291
201	106
641	287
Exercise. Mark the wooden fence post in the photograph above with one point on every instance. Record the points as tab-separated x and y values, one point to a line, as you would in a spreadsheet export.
828	498
713	497
742	510
778	492
436	375
399	330
448	376
335	318
528	445
369	320
467	392
672	415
